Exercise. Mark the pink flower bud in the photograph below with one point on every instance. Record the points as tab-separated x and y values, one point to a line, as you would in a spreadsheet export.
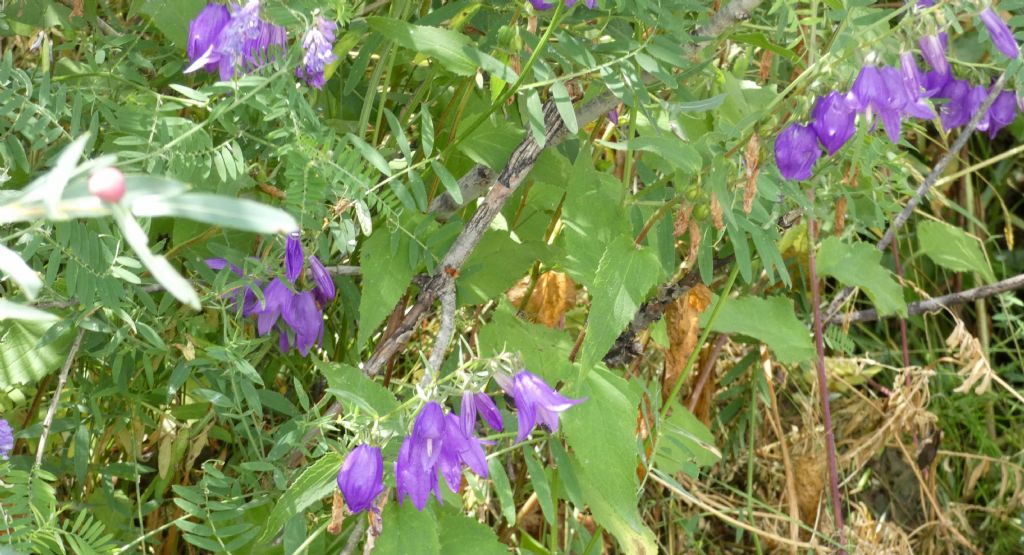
108	184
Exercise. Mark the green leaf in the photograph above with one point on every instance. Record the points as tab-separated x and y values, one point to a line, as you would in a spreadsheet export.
16	311
492	143
353	386
162	271
544	351
407	530
684	443
564	105
22	359
370	154
624	277
502	487
454	51
535	117
426	131
22	274
775	324
461	535
593	217
681	155
315	482
601	433
172	17
495	265
234	213
859	265
386	274
953	248
448	180
540	484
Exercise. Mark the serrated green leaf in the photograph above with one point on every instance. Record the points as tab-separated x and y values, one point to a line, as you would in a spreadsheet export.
386	275
358	388
22	360
624	277
461	535
407	530
601	432
859	265
776	325
684	440
315	482
953	248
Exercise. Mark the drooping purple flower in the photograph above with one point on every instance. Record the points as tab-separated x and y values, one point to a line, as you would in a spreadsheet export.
276	296
975	99
544	5
1002	112
245	42
956	111
536	403
869	89
834	121
460	448
934	52
318	45
916	105
880	91
1000	33
796	151
933	83
203	32
250	302
6	439
323	283
293	257
361	477
613	116
473	403
306	321
925	3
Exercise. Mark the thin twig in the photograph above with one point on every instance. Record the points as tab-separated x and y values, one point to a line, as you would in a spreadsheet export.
926	185
52	411
787	466
706	370
819	343
444	336
353	538
937	303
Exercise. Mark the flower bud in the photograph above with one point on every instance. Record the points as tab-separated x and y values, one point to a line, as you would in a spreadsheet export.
361	477
107	183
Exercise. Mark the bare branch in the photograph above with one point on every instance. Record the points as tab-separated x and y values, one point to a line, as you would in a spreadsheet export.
937	303
52	411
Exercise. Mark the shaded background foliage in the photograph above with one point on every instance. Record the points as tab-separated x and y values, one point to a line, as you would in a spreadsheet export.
182	430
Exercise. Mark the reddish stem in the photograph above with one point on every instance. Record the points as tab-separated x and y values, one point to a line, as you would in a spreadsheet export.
819	342
903	322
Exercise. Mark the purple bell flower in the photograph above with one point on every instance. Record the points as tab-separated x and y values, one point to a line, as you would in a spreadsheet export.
834	120
323	288
916	105
305	319
1000	33
957	110
544	5
1002	112
933	50
318	45
6	439
796	151
293	257
245	42
536	403
250	303
203	32
975	99
361	477
474	403
460	448
613	116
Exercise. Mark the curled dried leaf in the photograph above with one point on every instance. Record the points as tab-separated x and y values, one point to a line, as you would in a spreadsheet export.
716	213
752	162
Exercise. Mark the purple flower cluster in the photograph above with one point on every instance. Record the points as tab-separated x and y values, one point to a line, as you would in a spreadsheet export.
227	41
296	315
894	94
444	443
6	439
239	39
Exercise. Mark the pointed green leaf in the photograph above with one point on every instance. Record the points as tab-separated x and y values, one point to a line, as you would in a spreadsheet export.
386	274
407	530
859	265
461	535
953	248
315	482
771	320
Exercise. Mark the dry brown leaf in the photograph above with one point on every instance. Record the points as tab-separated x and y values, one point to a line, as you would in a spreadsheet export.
683	331
716	213
765	66
810	469
752	161
552	297
682	221
975	369
694	231
337	514
840	220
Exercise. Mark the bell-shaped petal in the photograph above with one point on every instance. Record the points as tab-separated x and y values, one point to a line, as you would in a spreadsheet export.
541	5
869	89
933	82
323	283
276	296
1002	112
413	479
468	447
834	121
361	477
305	319
6	439
293	257
796	151
934	52
956	110
427	434
203	32
1000	33
535	400
474	403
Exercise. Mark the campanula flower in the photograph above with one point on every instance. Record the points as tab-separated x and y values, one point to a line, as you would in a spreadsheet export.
323	288
834	120
975	99
318	45
933	49
956	111
361	477
613	116
544	5
460	448
1000	33
293	257
536	403
916	105
6	439
796	151
474	403
1002	112
250	303
306	321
